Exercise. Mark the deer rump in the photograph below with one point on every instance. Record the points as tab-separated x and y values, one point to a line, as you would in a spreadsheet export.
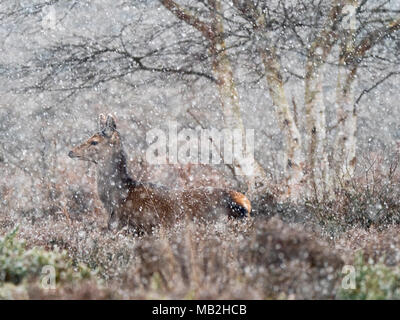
148	205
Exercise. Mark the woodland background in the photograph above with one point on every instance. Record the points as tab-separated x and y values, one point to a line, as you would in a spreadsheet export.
318	82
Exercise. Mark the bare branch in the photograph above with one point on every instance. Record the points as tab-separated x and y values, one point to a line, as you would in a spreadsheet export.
376	85
371	40
184	15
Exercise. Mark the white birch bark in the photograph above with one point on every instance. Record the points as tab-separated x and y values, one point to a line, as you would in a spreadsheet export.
293	152
316	128
344	153
229	97
318	163
222	70
350	58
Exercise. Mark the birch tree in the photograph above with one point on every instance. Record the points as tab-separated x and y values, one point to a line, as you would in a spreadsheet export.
222	70
317	55
267	20
351	56
345	141
318	35
273	75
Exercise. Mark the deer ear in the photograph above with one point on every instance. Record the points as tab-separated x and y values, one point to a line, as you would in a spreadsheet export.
110	123
110	126
102	122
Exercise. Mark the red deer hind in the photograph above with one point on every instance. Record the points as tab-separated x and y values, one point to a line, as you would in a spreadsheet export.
144	206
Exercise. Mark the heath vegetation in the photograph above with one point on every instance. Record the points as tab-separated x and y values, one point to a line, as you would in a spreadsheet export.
317	83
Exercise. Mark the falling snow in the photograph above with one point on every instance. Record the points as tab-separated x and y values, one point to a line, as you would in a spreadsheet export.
318	87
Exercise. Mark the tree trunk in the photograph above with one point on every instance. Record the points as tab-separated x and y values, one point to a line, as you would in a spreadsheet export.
316	129
314	103
345	142
294	158
223	73
293	153
229	98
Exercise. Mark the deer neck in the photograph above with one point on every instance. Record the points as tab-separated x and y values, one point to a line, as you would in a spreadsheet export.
113	180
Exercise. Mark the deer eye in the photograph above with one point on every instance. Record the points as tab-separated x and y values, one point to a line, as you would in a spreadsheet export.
93	143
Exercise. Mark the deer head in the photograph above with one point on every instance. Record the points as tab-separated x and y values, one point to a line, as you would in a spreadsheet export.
101	145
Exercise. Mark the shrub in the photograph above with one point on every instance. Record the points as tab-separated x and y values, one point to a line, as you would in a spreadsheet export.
373	281
18	263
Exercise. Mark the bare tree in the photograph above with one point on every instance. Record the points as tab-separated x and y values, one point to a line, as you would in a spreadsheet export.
317	42
273	74
210	39
352	53
221	66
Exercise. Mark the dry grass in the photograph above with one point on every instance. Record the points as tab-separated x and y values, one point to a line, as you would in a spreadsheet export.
285	251
253	260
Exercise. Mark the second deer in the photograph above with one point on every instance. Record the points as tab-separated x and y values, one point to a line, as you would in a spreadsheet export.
144	206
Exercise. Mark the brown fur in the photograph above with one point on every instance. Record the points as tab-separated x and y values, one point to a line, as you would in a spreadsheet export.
146	205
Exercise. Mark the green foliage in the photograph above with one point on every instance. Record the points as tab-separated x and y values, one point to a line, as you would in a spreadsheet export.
374	281
17	263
